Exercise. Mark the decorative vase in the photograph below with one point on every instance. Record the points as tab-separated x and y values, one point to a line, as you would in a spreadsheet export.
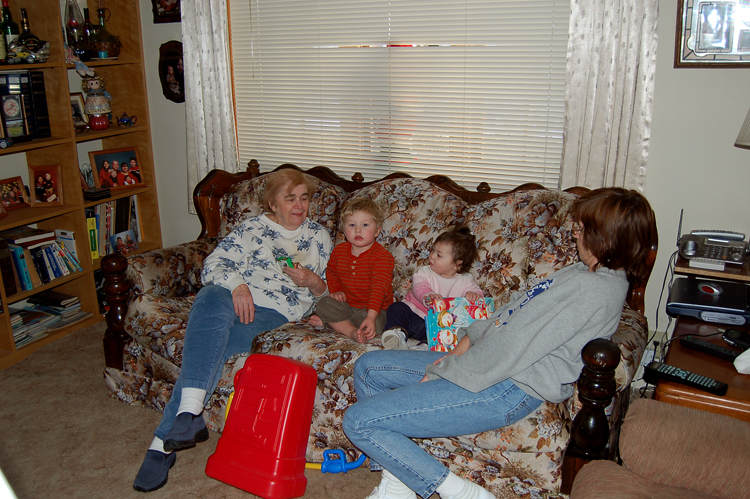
105	44
98	122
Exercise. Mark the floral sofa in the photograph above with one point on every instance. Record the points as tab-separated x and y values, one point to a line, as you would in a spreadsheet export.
523	236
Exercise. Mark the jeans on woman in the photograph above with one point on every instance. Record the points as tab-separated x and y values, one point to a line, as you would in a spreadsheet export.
214	333
399	314
393	407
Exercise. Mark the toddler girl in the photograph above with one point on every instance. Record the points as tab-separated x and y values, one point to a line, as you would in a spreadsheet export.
447	275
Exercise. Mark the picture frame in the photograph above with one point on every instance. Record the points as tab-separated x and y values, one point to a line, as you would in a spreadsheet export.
166	11
13	194
78	107
15	121
712	34
126	163
172	71
45	185
87	176
124	242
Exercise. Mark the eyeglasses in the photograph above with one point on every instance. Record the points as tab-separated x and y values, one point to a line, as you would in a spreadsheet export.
577	227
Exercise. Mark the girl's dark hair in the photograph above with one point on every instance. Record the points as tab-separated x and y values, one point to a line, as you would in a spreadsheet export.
619	229
464	245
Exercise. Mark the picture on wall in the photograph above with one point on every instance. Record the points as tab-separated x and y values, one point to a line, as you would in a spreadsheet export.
166	11
46	185
13	194
172	71
116	168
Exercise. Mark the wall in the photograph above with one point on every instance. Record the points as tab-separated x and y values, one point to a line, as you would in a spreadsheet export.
168	137
693	163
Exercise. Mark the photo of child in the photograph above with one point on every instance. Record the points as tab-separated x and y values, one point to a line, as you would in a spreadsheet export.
123	242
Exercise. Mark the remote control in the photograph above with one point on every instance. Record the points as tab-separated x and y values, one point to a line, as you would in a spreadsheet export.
709	348
656	371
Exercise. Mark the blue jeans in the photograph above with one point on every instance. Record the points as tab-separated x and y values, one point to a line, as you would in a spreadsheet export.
214	333
393	407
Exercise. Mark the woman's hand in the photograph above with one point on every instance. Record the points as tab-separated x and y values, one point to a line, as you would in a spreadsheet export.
306	278
473	296
244	306
462	347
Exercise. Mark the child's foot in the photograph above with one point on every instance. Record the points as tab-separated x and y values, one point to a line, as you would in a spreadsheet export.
394	339
315	321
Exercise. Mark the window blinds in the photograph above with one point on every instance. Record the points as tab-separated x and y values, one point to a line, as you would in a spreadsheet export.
471	89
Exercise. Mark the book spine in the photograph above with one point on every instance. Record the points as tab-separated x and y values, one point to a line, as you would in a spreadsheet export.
91	224
71	257
66	267
69	238
53	261
37	255
6	269
39	102
36	279
45	258
23	271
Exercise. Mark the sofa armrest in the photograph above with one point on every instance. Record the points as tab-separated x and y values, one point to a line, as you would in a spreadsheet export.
170	272
688	448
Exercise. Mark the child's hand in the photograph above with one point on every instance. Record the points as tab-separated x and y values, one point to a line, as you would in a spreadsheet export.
366	330
473	296
430	297
339	296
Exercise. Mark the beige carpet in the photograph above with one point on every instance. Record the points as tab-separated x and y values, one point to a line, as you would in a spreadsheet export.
63	436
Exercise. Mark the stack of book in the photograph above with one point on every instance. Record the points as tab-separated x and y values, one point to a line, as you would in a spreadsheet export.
43	313
29	325
36	257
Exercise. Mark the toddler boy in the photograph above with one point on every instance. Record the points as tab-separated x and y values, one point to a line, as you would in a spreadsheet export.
359	276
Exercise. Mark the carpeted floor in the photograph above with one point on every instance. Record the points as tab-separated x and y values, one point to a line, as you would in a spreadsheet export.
63	436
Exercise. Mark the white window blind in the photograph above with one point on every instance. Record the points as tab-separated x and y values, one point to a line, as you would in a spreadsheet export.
473	89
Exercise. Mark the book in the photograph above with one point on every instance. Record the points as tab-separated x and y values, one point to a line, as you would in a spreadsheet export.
36	280
47	263
91	224
39	102
52	260
447	315
68	237
52	298
25	236
37	255
122	215
23	272
62	260
6	269
135	224
70	257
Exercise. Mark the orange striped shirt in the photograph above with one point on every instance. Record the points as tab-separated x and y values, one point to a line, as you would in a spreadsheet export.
366	280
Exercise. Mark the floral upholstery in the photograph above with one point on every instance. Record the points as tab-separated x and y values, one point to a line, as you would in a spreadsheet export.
523	237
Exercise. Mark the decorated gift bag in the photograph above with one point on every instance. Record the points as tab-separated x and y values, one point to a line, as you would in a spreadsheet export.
447	315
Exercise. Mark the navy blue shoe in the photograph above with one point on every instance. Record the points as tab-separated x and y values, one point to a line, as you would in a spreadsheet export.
154	471
186	431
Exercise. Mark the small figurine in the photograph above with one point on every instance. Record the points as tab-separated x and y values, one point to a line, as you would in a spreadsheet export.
18	52
97	102
126	120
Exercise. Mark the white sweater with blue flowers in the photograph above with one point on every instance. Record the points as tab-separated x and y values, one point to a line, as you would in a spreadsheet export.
248	254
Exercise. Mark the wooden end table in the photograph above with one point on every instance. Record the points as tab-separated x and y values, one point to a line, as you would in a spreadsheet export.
736	402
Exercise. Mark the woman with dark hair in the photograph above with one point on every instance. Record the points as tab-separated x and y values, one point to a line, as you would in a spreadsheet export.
245	292
504	367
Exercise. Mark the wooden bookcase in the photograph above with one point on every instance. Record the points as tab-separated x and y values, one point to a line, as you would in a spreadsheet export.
126	82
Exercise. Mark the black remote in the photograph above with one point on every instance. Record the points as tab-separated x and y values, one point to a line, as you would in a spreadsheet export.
656	371
709	348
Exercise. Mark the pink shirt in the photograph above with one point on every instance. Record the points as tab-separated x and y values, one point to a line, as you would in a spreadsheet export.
425	281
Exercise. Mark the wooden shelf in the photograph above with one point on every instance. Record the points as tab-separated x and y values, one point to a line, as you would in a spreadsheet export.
126	82
730	273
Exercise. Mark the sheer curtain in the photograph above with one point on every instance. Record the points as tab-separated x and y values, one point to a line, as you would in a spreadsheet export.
609	92
211	135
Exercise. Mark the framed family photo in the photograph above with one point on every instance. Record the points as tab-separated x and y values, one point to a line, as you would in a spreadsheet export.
45	183
13	194
166	11
172	71
123	242
116	168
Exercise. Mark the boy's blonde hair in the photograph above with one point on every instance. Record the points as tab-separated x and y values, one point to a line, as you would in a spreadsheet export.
362	204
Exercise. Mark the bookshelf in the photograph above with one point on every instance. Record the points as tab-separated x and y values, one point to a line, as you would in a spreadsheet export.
126	82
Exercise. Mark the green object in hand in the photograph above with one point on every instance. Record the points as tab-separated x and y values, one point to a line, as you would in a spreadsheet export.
286	259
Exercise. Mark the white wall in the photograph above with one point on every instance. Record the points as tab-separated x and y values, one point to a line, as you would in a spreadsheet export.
693	163
168	137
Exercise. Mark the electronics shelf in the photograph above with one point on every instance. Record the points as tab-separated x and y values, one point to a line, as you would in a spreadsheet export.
126	82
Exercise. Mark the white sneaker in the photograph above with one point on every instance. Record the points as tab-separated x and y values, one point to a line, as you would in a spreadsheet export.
394	339
391	487
470	491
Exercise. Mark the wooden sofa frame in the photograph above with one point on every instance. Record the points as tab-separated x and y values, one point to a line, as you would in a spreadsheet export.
591	437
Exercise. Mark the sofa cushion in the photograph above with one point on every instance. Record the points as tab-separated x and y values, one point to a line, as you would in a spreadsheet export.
682	447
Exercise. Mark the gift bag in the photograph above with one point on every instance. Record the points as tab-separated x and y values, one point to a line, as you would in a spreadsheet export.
447	315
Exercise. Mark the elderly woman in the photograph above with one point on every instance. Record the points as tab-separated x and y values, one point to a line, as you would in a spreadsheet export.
246	291
503	367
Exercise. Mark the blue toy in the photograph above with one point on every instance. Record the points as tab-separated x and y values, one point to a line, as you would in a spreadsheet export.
339	465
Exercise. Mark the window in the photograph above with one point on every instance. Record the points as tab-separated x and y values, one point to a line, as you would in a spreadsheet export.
470	89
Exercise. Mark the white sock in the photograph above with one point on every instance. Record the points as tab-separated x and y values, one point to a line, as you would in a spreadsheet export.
158	445
192	401
451	486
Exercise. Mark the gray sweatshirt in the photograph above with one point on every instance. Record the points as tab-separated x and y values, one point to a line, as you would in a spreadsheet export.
537	342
